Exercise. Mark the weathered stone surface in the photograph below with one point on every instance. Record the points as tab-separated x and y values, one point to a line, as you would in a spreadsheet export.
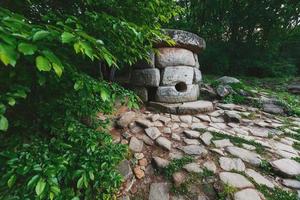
147	140
164	107
175	136
222	143
273	108
169	94
248	194
193	167
191	141
258	178
142	92
210	165
164	143
223	90
229	164
291	183
232	116
203	117
160	162
206	138
153	132
227	80
194	150
192	134
185	40
125	169
197	76
144	123
179	178
197	65
149	63
145	77
195	107
245	155
159	191
136	145
173	75
294	88
186	119
174	57
126	118
286	166
235	180
138	172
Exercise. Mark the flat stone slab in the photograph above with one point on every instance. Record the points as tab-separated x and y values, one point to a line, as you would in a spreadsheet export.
286	166
125	169
245	155
174	57
222	143
248	194
169	94
294	184
153	132
145	77
258	178
229	164
136	145
159	191
194	150
164	143
206	138
235	180
184	39
194	107
191	134
193	167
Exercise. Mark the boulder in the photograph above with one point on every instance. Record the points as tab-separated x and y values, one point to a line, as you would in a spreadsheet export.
174	57
126	118
273	108
294	88
184	39
223	90
145	77
173	75
174	94
227	80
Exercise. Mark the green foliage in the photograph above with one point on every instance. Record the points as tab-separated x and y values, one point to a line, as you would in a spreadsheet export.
266	167
276	193
227	192
176	165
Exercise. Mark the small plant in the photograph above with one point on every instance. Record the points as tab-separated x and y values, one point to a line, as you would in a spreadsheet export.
228	191
276	193
296	145
266	167
175	166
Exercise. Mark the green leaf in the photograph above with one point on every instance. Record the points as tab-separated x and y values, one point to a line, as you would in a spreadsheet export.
11	181
80	182
91	174
2	108
3	123
32	181
104	95
58	70
40	35
78	85
27	49
40	186
55	189
11	101
42	63
67	37
8	55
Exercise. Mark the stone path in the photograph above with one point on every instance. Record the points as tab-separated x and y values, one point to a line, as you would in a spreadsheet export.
240	152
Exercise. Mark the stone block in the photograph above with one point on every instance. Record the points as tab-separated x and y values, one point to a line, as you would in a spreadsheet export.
197	65
173	94
174	57
197	76
142	92
145	77
173	75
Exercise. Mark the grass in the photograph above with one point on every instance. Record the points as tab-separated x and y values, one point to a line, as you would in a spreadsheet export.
176	165
238	141
227	193
276	193
266	167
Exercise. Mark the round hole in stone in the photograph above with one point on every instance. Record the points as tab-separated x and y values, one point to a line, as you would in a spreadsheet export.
181	87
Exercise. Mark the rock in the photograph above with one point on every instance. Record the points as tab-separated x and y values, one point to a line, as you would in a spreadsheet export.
159	191
191	134
229	164
138	156
125	169
139	173
147	140
191	141
294	88
174	57
197	126
194	150
186	119
204	118
192	167
143	162
164	143
164	119
210	165
294	184
258	178
126	118
227	80
232	116
223	90
248	194
178	178
177	94
197	61
142	92
249	147
235	180
197	76
144	123
124	197
273	108
206	138
136	145
160	162
260	132
217	120
184	39
164	107
245	155
222	143
173	75
153	132
167	130
195	107
145	77
286	166
175	136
